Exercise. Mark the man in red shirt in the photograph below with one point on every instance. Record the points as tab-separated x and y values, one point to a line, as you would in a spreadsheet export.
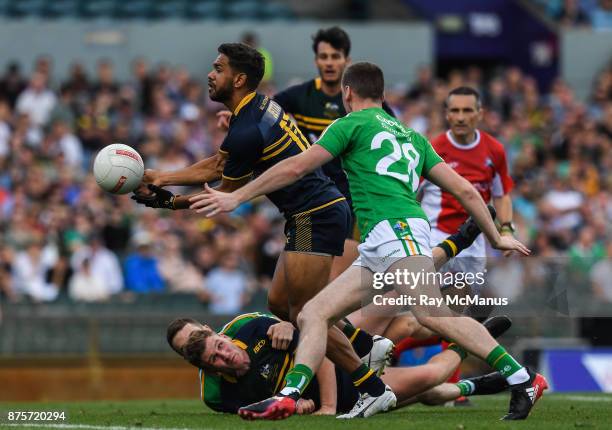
481	159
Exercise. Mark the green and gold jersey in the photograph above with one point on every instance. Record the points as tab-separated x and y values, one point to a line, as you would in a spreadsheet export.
226	393
383	161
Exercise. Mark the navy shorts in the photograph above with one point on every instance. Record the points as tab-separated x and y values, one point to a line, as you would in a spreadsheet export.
319	230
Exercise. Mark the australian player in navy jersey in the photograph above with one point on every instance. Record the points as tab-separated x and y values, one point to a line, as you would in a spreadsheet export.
314	105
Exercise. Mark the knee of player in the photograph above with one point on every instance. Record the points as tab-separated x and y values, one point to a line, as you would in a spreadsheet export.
432	376
309	313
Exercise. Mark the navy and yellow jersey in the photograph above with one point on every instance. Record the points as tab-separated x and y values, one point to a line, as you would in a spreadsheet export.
266	374
313	111
260	135
267	370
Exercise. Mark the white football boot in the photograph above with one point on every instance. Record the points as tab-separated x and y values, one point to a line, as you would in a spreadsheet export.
367	405
380	354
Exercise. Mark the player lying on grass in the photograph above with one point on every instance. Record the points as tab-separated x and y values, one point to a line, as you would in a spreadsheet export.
384	162
247	360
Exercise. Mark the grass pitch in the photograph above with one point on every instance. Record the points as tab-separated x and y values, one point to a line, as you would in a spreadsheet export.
554	411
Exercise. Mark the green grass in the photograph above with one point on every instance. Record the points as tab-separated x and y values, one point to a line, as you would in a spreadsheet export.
554	411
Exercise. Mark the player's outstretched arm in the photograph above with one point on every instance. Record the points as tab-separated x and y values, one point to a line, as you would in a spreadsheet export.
447	179
207	170
280	175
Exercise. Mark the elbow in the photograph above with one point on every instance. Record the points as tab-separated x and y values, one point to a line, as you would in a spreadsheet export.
467	192
297	171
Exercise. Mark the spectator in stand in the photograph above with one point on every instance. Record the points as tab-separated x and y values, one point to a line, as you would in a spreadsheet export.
571	14
30	272
12	84
180	275
64	142
85	286
601	18
142	267
37	102
227	286
102	264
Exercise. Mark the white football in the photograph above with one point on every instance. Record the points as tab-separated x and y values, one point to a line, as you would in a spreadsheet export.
118	168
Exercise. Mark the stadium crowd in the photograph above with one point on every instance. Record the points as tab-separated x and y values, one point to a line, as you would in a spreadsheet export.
61	235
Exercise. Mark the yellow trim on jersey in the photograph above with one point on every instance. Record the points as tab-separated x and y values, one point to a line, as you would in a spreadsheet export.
318	83
227	326
275	144
228	378
222	151
296	139
236	179
339	199
358	382
312	119
281	374
240	344
312	127
275	153
244	101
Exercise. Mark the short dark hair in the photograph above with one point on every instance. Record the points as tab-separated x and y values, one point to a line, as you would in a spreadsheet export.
174	327
195	347
335	36
366	79
463	91
245	59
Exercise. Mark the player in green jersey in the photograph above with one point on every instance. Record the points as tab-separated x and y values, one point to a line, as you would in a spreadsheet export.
384	162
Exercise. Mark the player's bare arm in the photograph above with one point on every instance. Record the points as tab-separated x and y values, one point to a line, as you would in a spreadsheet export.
446	178
280	175
156	197
207	170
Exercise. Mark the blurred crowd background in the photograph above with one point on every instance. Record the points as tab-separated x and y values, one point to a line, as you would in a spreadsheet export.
62	237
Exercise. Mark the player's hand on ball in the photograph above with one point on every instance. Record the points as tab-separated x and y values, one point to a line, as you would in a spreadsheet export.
213	202
509	243
305	406
281	335
156	198
223	119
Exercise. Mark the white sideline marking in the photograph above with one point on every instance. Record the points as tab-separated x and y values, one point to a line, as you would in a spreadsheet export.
589	398
91	427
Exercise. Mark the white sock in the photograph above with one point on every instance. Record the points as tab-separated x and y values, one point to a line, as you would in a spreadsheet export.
518	377
287	391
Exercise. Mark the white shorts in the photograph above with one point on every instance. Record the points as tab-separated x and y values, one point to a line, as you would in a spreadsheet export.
470	260
391	240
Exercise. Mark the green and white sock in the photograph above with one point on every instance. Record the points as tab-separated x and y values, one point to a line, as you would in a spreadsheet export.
466	387
297	380
504	363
